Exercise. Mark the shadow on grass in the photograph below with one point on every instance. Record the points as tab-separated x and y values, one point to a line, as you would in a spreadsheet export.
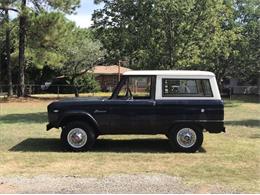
40	117
38	145
101	145
255	136
248	123
230	104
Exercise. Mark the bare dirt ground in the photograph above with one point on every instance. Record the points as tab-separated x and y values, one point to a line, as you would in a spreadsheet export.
121	183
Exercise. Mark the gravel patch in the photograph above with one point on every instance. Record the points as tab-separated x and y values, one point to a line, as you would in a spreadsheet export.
121	183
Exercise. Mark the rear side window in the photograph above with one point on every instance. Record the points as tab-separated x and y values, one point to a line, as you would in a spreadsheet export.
186	88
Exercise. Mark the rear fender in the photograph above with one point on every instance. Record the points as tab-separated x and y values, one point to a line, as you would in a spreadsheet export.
210	126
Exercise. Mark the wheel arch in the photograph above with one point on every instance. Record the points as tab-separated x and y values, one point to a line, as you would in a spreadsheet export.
79	116
188	123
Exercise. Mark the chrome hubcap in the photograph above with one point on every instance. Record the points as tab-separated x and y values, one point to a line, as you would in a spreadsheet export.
186	137
77	138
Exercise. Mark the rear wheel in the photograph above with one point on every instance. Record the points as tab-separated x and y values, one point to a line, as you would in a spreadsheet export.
186	138
78	136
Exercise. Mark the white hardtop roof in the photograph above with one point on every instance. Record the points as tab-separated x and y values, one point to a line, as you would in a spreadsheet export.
170	72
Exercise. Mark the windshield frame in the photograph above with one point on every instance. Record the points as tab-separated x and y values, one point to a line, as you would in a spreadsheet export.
118	87
124	78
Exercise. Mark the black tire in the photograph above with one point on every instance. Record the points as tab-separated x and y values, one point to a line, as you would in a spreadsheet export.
193	146
83	127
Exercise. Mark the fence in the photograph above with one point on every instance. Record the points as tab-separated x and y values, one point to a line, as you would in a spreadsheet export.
246	90
52	90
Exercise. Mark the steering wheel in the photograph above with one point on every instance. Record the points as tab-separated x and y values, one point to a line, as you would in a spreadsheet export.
129	94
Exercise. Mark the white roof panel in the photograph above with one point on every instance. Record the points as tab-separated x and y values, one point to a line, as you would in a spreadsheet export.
170	73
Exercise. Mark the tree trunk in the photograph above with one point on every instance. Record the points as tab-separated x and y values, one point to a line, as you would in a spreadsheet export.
0	61
76	91
22	35
170	42
7	47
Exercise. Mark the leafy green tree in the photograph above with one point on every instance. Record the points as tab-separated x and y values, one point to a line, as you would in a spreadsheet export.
155	34
24	7
5	8
81	52
49	33
247	15
219	49
87	83
126	29
57	43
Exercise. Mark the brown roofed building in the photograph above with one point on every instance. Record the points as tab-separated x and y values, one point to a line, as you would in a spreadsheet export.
108	76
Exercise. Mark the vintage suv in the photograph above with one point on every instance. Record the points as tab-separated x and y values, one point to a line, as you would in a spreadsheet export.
179	104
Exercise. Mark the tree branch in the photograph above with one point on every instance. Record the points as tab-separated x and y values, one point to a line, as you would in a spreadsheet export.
37	5
82	72
10	9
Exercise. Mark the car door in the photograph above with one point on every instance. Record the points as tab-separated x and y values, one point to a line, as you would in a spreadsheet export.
132	109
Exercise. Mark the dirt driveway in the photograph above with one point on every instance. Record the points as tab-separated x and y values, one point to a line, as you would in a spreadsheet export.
123	183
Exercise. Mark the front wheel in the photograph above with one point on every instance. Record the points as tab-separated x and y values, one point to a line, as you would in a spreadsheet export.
78	136
186	138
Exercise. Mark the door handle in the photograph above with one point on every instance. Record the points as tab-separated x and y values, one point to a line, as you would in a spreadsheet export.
100	111
154	103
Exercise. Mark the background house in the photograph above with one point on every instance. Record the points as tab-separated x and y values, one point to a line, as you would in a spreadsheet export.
108	76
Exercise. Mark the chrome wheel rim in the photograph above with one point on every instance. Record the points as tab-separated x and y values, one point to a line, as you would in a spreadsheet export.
186	137
77	138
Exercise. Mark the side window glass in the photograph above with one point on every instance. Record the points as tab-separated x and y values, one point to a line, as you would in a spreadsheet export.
136	87
207	88
186	88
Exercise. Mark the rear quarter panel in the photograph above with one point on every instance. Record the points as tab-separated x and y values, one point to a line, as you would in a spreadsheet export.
203	112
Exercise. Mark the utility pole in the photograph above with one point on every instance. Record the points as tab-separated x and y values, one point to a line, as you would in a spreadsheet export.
119	67
120	62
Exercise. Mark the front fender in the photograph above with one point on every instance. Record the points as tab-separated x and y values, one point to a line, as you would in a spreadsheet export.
77	115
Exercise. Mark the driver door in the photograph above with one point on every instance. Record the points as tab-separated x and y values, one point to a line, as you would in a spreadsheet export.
132	109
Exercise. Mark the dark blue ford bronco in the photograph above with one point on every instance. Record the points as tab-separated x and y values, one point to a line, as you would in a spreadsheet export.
179	104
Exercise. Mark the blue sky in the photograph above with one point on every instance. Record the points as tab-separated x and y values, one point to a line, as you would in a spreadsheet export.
84	13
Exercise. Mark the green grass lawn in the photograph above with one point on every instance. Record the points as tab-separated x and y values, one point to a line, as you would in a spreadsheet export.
230	159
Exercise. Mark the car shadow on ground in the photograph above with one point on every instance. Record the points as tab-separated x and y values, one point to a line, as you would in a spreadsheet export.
255	136
39	117
101	145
